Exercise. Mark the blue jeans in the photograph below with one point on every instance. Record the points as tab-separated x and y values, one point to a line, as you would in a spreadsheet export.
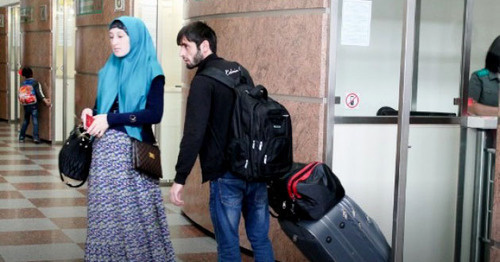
30	111
229	198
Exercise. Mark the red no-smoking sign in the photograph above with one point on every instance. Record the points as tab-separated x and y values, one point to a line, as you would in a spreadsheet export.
352	100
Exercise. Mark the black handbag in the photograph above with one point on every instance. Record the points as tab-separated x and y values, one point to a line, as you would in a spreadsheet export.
146	158
75	157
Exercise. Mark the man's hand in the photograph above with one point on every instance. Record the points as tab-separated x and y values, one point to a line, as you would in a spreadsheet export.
176	193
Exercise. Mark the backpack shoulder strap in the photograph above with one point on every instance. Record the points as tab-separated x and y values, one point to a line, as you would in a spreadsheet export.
219	75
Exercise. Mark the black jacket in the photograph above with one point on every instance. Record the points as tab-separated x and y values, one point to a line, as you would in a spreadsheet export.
208	116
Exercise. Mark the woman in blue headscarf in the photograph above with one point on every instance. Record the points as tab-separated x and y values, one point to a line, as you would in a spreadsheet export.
126	216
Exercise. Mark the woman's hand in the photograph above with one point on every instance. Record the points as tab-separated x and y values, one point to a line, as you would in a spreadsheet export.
99	126
83	116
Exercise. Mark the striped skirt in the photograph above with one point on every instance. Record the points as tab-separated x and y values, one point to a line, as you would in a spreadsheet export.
126	216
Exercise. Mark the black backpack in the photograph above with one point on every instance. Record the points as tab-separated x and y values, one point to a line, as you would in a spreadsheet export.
260	144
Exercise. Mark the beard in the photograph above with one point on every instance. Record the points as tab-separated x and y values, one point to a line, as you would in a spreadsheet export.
198	57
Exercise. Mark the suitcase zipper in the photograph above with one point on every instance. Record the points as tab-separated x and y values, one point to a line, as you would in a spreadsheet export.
291	182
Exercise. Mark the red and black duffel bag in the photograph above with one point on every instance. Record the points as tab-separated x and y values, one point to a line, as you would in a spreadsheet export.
306	192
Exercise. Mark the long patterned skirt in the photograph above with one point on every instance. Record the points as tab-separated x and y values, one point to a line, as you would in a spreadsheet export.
126	216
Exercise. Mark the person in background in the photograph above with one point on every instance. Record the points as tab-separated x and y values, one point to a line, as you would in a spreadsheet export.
30	93
206	130
484	84
126	215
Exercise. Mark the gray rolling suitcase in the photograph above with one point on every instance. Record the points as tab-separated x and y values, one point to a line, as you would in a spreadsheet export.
343	234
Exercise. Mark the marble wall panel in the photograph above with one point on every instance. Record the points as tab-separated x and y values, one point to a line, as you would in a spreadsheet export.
3	77
3	65
195	8
4	13
494	254
92	49
37	49
307	128
105	16
495	227
37	23
4	45
4	102
287	54
37	53
4	99
44	77
85	92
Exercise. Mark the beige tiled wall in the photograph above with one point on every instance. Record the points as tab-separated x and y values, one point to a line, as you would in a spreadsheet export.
284	45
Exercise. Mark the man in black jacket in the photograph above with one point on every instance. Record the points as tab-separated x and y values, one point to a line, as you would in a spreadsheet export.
206	130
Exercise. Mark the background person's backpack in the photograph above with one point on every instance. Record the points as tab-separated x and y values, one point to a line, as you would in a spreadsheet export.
260	146
26	93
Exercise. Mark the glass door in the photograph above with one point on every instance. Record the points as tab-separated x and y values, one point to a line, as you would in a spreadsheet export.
14	61
404	174
65	65
163	19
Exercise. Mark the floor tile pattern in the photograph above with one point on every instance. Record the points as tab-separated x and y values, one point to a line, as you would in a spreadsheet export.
41	219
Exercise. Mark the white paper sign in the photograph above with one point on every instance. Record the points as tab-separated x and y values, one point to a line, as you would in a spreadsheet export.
356	20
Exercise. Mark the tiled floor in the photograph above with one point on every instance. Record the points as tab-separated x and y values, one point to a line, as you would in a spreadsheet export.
41	219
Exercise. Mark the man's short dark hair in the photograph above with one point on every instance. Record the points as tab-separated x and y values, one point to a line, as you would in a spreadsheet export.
198	32
27	72
492	62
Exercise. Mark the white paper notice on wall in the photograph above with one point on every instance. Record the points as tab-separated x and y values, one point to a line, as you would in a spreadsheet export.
356	21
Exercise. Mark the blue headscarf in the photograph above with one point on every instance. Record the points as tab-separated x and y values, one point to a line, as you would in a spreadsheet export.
129	77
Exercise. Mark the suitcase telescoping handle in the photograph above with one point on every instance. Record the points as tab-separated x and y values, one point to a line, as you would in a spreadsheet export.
302	175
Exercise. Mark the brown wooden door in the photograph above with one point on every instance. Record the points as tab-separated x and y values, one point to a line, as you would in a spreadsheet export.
37	46
4	58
